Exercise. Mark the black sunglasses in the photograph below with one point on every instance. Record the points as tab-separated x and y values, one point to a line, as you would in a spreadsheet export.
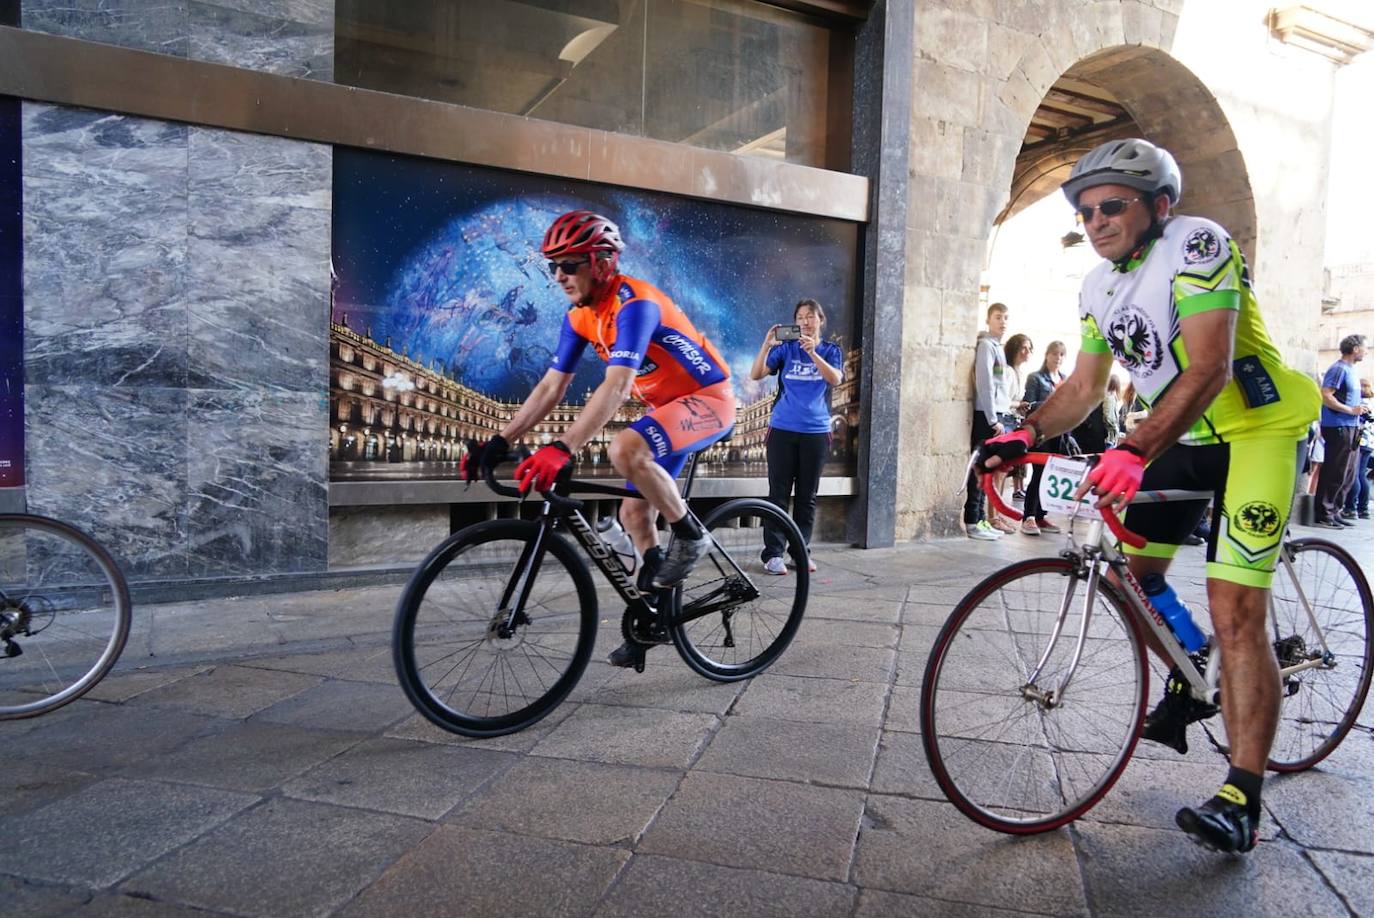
567	267
1110	208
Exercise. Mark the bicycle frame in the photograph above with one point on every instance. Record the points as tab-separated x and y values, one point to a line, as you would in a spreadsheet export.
1099	547
557	505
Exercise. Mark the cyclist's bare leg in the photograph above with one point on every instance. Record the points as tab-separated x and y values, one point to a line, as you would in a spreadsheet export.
632	458
1249	672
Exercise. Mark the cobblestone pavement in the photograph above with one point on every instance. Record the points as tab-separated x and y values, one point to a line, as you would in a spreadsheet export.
254	756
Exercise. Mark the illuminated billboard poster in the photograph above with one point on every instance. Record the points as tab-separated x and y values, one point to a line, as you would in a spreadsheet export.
11	299
444	314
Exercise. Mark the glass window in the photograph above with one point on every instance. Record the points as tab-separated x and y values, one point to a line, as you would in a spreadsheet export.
732	75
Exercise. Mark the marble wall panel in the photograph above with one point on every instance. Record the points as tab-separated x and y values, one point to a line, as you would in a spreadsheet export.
104	248
113	461
259	264
292	39
256	483
148	25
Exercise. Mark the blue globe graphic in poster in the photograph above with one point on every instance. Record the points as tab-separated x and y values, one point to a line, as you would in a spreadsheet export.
478	300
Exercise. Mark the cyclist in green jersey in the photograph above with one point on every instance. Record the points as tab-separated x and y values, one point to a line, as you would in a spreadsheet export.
1172	303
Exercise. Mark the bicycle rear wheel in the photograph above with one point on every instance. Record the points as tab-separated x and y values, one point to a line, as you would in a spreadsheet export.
1319	705
64	614
1002	755
736	619
466	659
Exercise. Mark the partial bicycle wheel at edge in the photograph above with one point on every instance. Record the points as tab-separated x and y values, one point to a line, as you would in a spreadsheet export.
1005	758
735	618
1319	705
464	660
64	614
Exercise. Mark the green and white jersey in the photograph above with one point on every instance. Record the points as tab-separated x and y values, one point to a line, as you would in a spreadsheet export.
1135	313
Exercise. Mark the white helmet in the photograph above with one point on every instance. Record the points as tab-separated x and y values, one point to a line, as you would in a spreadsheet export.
1134	163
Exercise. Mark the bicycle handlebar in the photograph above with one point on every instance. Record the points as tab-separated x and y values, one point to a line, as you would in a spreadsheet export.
1109	516
557	495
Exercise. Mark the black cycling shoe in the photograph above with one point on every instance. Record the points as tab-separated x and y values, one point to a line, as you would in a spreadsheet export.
1221	824
1168	723
682	555
629	654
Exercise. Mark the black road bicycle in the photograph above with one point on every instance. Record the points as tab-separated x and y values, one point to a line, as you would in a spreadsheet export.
497	625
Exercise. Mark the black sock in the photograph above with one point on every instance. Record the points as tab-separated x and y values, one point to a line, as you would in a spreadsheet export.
686	527
1249	784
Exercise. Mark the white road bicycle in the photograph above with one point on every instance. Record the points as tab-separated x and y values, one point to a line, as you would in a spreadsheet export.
1036	688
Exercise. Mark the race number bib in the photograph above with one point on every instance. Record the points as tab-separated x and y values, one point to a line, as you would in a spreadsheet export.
1061	478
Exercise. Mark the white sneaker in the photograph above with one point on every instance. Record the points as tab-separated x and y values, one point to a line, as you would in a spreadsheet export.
775	566
811	565
983	532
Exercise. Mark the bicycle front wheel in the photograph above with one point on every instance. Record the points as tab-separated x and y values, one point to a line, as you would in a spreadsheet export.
1319	705
733	618
470	656
1007	750
64	614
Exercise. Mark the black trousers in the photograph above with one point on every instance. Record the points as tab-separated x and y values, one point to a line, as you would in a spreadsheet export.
973	501
794	466
1338	470
1032	507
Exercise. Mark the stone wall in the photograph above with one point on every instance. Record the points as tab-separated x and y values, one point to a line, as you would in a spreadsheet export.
1222	107
176	284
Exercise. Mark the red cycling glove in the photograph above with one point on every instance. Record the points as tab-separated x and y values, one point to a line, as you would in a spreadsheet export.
1006	447
1116	477
541	470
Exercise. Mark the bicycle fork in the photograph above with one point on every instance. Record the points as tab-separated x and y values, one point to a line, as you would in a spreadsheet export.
1052	698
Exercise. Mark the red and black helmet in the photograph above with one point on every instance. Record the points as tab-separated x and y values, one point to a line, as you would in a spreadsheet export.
581	232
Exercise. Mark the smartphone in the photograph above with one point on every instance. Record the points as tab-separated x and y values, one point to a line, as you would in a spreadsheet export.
788	332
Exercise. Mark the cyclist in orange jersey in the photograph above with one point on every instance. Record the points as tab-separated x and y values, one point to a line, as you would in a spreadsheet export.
653	351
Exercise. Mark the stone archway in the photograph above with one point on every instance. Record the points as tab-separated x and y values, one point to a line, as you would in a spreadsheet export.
969	119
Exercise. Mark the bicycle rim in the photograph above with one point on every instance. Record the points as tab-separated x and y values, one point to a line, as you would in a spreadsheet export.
463	659
64	614
752	615
1319	706
1003	759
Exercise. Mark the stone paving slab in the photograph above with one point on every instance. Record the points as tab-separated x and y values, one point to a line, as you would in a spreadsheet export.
877	904
587	802
29	785
251	756
926	848
749	822
106	831
813	700
400	776
227	691
1140	871
255	757
343	706
665	888
1350	875
839	755
629	736
103	738
283	858
500	874
835	661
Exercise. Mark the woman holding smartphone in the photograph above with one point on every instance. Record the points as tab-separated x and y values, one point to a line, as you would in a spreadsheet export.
799	428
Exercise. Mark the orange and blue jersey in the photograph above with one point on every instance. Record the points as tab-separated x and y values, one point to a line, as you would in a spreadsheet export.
637	325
